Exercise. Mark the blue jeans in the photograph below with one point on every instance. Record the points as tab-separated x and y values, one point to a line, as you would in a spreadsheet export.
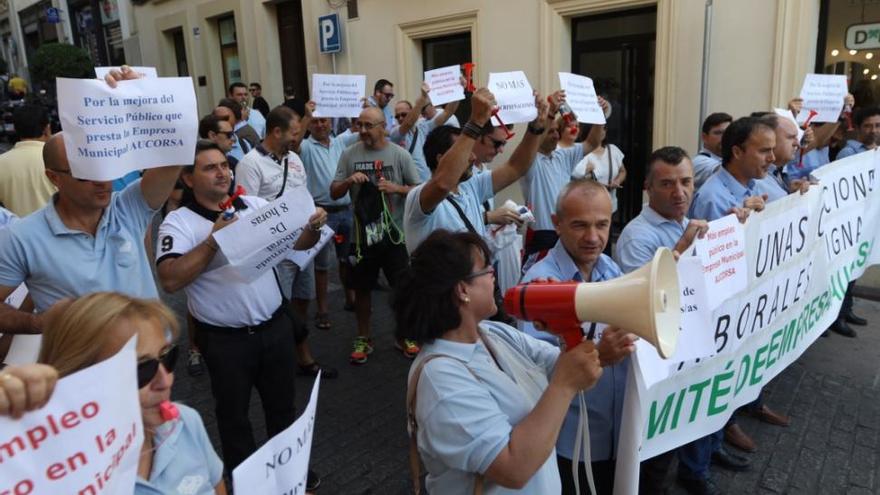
695	457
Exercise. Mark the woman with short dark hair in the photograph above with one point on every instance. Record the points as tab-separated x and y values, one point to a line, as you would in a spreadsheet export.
486	401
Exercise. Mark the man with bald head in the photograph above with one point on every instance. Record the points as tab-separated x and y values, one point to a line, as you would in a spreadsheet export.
87	239
776	184
582	220
377	174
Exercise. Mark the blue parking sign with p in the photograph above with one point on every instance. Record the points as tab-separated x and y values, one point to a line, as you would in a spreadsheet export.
329	36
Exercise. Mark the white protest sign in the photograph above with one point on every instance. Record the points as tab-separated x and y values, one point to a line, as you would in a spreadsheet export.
16	299
445	84
722	252
786	114
581	97
338	95
823	93
142	123
25	348
513	93
149	72
304	257
255	243
87	439
280	467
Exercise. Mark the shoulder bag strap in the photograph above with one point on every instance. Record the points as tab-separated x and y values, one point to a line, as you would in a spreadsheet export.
610	164
461	214
284	180
415	138
415	461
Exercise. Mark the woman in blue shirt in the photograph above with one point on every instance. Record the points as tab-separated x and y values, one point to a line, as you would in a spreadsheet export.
486	401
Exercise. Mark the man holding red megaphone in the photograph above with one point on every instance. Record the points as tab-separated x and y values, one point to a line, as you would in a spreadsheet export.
582	220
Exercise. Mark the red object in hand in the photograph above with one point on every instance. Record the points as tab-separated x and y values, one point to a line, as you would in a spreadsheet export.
810	116
800	163
551	303
377	166
501	123
338	238
469	76
239	191
168	411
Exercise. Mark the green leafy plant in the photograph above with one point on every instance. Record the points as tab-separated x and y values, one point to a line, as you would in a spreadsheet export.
59	60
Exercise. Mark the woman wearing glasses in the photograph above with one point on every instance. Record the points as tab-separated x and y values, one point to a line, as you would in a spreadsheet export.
94	328
485	401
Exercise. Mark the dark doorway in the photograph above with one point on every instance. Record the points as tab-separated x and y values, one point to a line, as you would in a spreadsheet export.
616	50
445	51
293	48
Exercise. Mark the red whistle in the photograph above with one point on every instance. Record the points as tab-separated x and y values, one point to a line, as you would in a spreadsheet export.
239	191
469	76
800	163
812	114
168	411
501	123
377	166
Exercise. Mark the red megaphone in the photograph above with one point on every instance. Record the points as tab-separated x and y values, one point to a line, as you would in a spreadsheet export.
551	303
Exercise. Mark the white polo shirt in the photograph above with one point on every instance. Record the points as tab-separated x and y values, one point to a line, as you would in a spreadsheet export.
261	173
215	297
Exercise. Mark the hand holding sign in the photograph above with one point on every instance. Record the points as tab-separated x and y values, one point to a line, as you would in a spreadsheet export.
823	93
581	97
25	388
445	84
101	72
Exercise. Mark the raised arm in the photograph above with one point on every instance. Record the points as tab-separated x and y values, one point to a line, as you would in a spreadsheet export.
416	112
524	154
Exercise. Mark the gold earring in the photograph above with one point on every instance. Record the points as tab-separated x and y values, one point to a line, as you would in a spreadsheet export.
466	299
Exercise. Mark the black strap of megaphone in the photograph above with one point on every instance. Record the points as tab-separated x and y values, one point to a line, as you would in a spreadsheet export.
592	332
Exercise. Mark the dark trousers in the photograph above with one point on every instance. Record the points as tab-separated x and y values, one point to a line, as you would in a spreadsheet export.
847	304
603	476
696	457
654	474
239	360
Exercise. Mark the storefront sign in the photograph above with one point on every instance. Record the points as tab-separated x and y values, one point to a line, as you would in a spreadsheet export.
863	36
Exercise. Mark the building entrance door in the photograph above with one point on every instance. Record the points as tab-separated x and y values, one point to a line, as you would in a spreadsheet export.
616	50
293	48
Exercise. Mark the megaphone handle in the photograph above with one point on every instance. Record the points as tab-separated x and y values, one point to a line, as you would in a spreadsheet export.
571	333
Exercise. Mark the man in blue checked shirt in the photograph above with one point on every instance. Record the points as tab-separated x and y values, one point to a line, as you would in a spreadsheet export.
583	220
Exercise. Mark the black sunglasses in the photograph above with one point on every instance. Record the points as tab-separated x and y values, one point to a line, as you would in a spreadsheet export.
146	370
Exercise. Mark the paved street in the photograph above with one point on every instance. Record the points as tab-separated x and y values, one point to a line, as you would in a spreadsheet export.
361	445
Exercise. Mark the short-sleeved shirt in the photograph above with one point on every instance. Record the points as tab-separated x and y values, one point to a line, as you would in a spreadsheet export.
262	174
773	185
599	164
418	133
215	297
605	399
24	187
853	147
466	409
471	195
705	163
643	235
545	178
718	195
320	162
397	167
7	217
184	461
57	262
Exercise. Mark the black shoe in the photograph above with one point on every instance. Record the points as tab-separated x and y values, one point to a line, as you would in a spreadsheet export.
728	460
313	481
855	320
327	372
700	487
825	334
840	326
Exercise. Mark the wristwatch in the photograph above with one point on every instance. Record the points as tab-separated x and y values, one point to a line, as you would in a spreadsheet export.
534	129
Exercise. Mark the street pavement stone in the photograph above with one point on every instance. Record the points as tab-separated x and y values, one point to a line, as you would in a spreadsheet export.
361	445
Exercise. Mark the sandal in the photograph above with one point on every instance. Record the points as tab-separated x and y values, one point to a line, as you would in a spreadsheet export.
322	321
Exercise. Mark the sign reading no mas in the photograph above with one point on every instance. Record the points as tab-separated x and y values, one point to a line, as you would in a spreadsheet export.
863	36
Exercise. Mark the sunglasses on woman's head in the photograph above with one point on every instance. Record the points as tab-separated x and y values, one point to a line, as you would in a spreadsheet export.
146	370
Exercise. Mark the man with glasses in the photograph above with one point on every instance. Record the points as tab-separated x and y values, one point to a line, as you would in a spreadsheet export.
383	93
708	160
411	131
377	174
247	138
259	103
244	331
219	131
86	239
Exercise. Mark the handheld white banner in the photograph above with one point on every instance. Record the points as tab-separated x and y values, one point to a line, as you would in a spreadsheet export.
280	467
338	95
445	84
256	243
722	252
581	97
513	93
25	349
823	93
142	123
303	258
148	72
87	439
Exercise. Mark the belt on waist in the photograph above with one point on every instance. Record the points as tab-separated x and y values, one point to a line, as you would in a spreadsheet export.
334	208
249	328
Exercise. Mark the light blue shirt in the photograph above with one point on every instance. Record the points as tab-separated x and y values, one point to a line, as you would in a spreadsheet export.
772	185
236	152
813	160
718	195
58	262
545	178
643	235
320	162
120	183
258	122
472	193
388	111
852	147
605	399
705	163
424	127
7	218
466	408
185	461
